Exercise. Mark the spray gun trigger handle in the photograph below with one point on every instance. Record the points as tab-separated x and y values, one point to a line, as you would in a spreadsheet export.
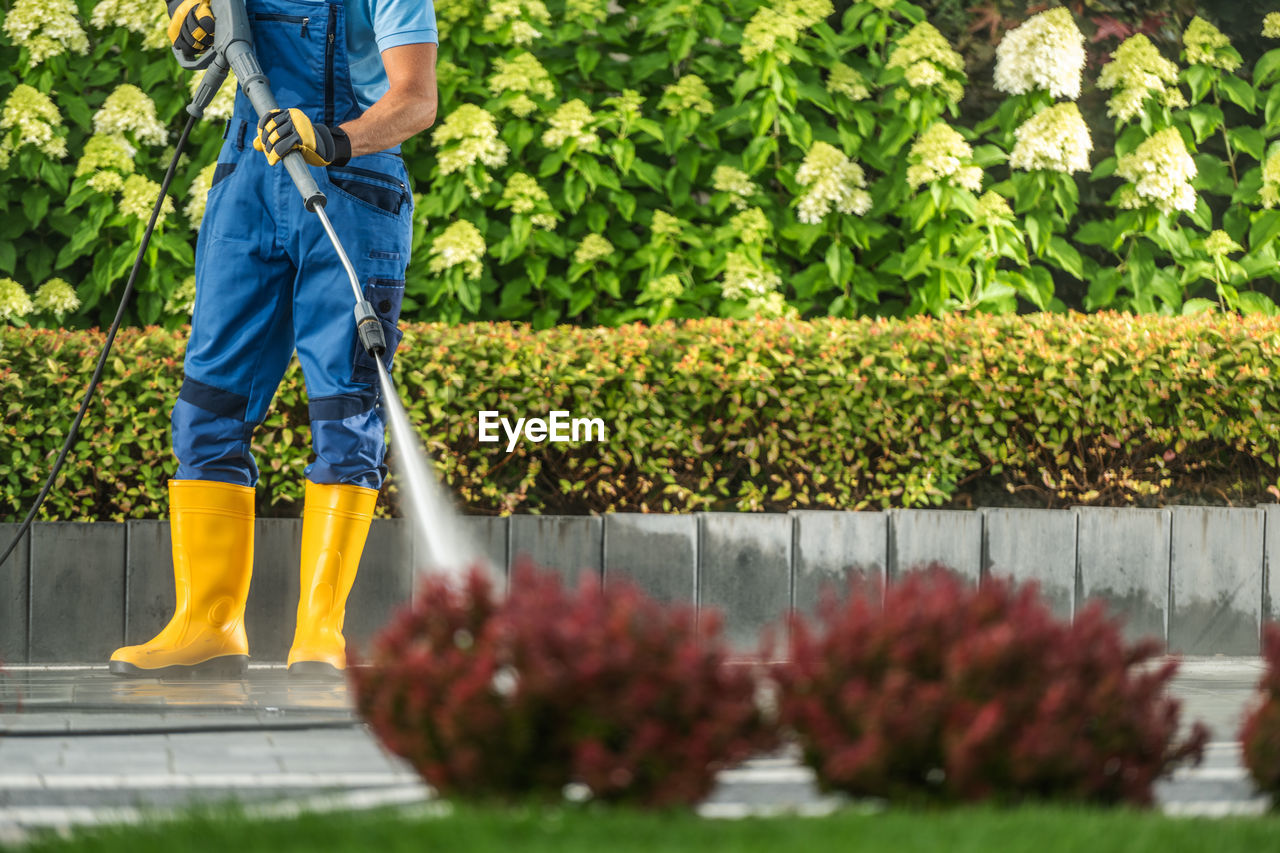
369	328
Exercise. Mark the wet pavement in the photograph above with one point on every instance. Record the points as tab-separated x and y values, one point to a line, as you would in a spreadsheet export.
78	745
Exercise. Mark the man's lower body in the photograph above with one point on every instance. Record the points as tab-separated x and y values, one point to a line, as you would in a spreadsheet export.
268	283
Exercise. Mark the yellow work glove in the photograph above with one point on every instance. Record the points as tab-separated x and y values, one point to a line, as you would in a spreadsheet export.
282	131
191	26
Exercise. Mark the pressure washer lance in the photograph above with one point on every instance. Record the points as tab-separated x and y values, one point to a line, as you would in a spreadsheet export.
233	48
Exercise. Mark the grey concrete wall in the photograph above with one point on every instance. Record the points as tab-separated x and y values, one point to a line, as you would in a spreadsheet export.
15	595
658	553
1123	557
568	544
1199	577
77	591
745	572
919	537
832	550
1216	580
1033	545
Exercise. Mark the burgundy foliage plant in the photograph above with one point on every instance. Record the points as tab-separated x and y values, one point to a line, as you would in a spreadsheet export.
502	698
1260	735
953	692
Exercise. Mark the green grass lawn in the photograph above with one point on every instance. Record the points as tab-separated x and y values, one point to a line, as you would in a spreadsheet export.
1038	830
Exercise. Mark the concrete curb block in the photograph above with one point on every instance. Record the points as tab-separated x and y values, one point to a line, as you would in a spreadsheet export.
1198	578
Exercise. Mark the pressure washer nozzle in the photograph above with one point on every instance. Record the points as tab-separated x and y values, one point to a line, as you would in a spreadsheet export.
369	328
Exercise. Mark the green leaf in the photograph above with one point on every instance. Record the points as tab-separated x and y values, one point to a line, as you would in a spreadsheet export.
1266	227
1238	92
8	257
1267	71
587	56
1065	256
1249	140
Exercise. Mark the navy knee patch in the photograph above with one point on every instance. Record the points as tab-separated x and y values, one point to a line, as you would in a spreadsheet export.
226	404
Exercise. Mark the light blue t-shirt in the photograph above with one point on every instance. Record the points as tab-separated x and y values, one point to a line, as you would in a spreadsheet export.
375	25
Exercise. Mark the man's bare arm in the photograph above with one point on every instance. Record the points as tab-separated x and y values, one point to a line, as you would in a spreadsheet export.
408	107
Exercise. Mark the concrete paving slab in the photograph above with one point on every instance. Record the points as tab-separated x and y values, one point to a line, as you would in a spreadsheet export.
489	535
919	537
77	591
1033	545
658	553
15	581
1271	562
568	544
1216	580
744	571
1123	558
384	582
272	612
149	593
832	550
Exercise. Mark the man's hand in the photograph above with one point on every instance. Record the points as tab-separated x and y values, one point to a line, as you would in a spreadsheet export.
191	26
282	131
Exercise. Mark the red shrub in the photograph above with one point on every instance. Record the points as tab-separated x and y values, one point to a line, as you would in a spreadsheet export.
1260	735
603	687
955	692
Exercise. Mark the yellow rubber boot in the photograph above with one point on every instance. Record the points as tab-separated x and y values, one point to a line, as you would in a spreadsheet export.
212	529
335	524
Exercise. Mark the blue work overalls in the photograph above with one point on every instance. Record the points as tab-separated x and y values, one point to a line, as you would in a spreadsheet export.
268	280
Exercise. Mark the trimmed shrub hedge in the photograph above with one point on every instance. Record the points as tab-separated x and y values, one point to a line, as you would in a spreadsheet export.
716	414
951	692
1260	733
602	687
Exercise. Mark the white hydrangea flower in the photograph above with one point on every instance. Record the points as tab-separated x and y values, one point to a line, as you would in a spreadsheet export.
461	244
663	287
128	110
1056	139
148	18
1270	192
927	60
1207	45
1219	244
941	154
782	22
1271	25
831	180
14	301
1046	52
1137	72
771	304
992	210
467	136
1161	171
36	119
843	80
751	226
182	301
198	196
664	224
523	74
524	196
746	277
521	15
690	92
223	102
735	182
138	199
592	248
56	297
106	182
45	28
572	121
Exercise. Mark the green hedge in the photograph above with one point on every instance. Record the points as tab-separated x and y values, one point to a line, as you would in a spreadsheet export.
714	414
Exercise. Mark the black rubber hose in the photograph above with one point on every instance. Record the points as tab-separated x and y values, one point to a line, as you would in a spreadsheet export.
106	348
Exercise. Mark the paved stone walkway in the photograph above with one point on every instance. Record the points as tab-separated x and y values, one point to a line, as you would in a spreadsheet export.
78	745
